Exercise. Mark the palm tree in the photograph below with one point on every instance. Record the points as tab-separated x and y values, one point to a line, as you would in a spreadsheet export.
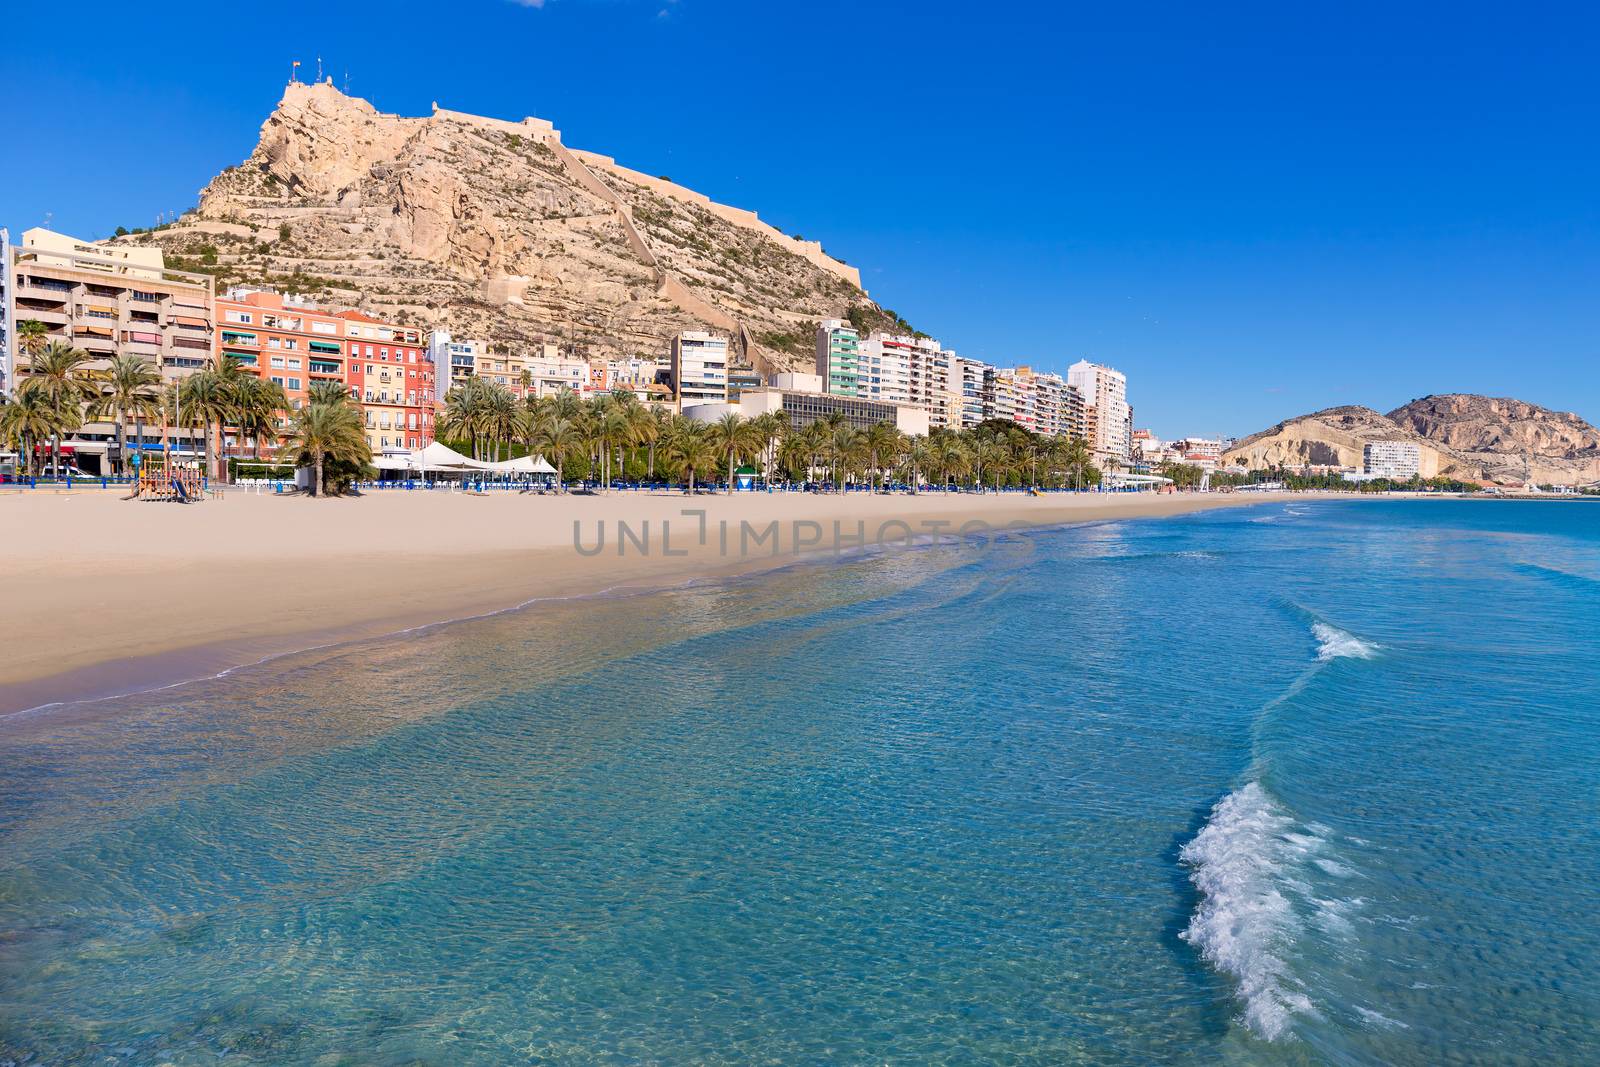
920	457
323	391
644	426
560	438
733	437
31	337
60	372
258	402
992	454
208	399
612	428
694	450
26	420
328	432
883	443
127	387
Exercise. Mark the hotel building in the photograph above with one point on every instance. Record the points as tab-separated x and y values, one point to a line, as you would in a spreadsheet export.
109	300
1398	460
1109	429
699	368
801	399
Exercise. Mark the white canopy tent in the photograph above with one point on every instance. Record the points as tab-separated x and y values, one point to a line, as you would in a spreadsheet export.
438	459
523	465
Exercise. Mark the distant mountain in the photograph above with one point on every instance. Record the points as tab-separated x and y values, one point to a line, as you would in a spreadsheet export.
1458	435
496	229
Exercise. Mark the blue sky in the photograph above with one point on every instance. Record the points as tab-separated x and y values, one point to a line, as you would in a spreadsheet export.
1255	210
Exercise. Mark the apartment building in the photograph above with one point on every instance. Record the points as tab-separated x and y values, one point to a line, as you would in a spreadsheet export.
7	368
839	357
550	373
699	368
109	300
283	338
389	371
1105	398
884	368
453	361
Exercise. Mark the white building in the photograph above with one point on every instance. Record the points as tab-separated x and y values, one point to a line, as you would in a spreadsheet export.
885	368
453	361
1398	460
1105	398
967	378
699	368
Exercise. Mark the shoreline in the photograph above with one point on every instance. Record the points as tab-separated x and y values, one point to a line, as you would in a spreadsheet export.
114	598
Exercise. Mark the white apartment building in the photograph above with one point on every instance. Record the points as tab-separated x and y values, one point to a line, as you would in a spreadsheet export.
885	368
1105	398
550	373
699	368
453	361
1399	460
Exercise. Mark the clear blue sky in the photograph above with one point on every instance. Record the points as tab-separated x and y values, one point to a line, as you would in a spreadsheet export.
1254	210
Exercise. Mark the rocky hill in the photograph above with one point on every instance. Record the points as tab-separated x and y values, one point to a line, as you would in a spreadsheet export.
497	230
1457	435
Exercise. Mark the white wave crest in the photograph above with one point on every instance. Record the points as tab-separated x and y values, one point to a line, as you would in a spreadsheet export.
1244	862
1334	643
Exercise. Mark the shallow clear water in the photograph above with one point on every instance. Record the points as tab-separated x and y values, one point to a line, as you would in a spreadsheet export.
1312	783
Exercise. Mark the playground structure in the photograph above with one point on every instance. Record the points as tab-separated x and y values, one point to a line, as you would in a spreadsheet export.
170	480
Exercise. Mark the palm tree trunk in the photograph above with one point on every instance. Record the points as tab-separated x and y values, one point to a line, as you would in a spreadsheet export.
122	455
318	489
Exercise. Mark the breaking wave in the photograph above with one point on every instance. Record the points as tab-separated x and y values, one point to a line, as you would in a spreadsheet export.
1334	643
1249	865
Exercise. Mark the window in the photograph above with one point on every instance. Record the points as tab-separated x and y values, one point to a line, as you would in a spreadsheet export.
294	364
277	362
294	383
324	327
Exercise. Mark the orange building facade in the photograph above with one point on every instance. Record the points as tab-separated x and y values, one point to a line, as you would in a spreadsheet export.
390	373
385	368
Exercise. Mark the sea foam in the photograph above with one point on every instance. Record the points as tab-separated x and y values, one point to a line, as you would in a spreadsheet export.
1334	643
1245	862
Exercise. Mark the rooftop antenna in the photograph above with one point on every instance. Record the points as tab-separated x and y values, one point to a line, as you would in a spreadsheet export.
294	71
347	81
319	68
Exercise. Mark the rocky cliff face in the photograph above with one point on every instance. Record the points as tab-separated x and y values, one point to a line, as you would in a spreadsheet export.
496	230
1458	435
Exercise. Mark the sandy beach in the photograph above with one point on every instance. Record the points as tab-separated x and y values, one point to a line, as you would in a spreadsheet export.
107	596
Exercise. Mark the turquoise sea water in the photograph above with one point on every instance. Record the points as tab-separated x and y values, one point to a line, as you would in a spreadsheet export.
1295	784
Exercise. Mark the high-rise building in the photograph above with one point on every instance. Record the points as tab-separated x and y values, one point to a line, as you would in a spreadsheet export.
1105	398
967	378
699	368
884	368
1399	460
109	301
839	357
